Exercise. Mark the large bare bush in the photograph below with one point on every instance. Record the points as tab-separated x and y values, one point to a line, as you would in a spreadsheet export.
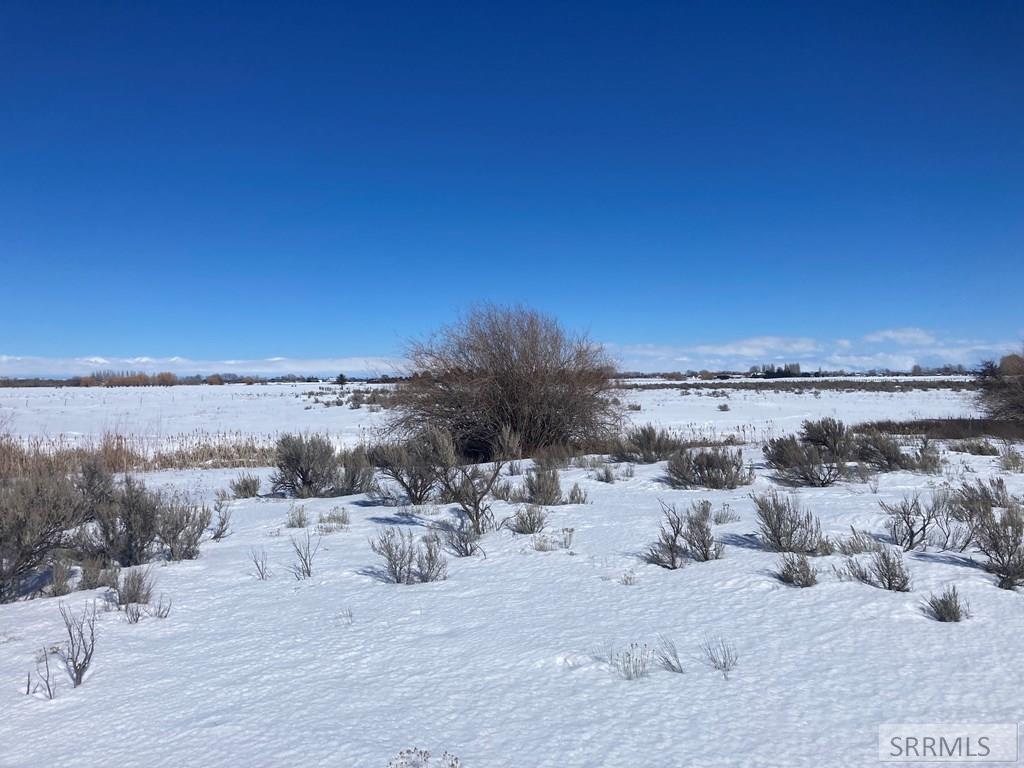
507	368
1002	388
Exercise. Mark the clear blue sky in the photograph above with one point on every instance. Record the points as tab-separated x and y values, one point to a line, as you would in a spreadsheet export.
241	180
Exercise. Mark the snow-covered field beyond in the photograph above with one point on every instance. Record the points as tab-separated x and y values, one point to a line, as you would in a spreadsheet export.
161	413
503	663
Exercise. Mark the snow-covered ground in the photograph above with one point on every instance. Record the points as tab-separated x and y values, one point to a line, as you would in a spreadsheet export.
162	413
503	663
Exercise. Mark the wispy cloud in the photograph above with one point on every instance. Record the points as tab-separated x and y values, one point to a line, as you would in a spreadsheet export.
11	365
903	336
895	349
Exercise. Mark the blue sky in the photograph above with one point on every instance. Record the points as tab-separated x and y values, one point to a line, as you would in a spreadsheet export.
691	183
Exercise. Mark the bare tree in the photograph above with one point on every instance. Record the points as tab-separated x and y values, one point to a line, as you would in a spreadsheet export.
507	368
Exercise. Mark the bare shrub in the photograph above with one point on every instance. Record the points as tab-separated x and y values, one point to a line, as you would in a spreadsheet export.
507	367
94	575
35	512
949	528
796	570
126	528
605	475
305	549
948	606
882	452
355	473
528	520
973	504
245	486
785	527
1000	537
468	485
47	684
60	575
927	458
404	559
1002	388
909	522
332	522
180	526
306	466
666	655
543	543
714	468
260	563
697	533
412	463
81	643
297	517
976	446
669	551
431	564
554	456
161	610
133	613
134	585
890	572
576	495
830	436
1010	459
543	487
646	445
421	758
632	662
461	539
885	570
857	543
799	464
720	654
222	523
724	516
506	491
978	499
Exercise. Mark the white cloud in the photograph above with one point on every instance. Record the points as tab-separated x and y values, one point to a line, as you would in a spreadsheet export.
905	336
894	349
15	366
761	346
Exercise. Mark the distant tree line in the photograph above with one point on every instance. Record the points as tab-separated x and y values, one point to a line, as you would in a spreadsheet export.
139	379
